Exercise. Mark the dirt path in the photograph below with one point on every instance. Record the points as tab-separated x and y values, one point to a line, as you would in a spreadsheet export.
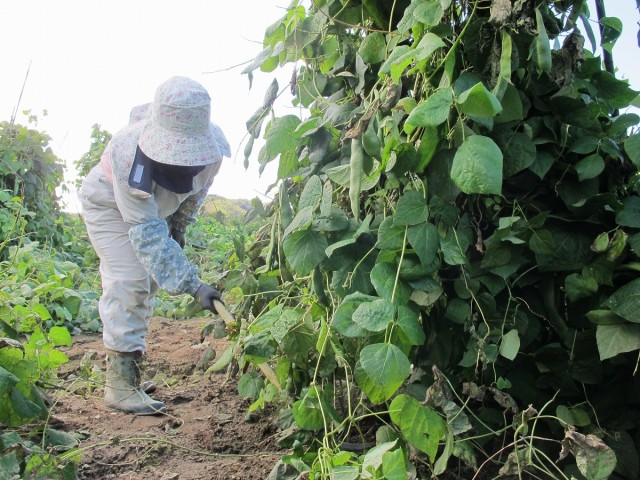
204	435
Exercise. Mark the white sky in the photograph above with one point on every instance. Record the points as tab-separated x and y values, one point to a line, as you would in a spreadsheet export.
92	60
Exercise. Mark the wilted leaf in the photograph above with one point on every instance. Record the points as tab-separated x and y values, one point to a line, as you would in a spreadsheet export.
595	460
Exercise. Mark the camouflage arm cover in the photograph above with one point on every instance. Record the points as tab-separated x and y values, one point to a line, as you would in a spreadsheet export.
163	258
186	213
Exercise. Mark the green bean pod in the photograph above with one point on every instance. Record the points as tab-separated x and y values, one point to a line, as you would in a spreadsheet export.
355	178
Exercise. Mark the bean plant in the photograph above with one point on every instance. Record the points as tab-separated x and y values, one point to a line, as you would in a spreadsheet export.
448	282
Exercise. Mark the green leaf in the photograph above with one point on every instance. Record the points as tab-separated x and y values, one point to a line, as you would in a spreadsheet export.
394	466
479	102
7	381
604	317
454	248
426	299
307	411
595	460
10	465
41	311
408	20
626	301
571	251
512	109
632	147
59	336
629	216
390	236
301	221
611	31
615	339
344	472
312	193
370	141
343	321
385	368
427	46
260	345
617	245
60	439
434	110
477	166
601	243
395	54
285	322
304	250
585	144
279	135
373	48
249	385
579	287
622	123
616	92
410	326
373	459
429	12
519	152
383	278
374	316
590	167
421	426
510	344
24	407
411	209
425	240
333	221
542	164
541	242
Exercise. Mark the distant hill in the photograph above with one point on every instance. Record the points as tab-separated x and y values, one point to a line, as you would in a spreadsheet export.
225	209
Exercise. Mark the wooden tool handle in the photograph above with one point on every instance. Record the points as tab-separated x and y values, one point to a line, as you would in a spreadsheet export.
223	312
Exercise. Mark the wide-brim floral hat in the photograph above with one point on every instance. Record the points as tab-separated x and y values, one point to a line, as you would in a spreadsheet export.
178	130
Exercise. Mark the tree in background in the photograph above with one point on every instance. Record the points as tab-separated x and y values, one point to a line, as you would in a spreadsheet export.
30	173
99	140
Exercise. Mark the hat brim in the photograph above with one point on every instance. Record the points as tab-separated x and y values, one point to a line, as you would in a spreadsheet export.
173	148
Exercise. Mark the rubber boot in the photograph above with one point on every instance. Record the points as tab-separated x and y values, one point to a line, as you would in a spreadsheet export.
122	390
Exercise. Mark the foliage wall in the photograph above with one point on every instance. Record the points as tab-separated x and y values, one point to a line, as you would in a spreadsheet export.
31	172
45	292
451	273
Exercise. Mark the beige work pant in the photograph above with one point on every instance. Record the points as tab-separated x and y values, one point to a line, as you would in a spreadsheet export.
128	291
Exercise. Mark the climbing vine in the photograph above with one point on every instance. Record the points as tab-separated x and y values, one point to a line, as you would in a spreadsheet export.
449	279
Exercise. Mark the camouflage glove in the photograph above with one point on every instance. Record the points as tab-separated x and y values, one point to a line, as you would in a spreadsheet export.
205	295
178	236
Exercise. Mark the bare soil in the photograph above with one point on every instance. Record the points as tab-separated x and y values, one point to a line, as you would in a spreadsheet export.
204	435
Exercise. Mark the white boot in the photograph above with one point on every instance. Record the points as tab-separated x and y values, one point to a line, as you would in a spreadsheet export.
122	390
